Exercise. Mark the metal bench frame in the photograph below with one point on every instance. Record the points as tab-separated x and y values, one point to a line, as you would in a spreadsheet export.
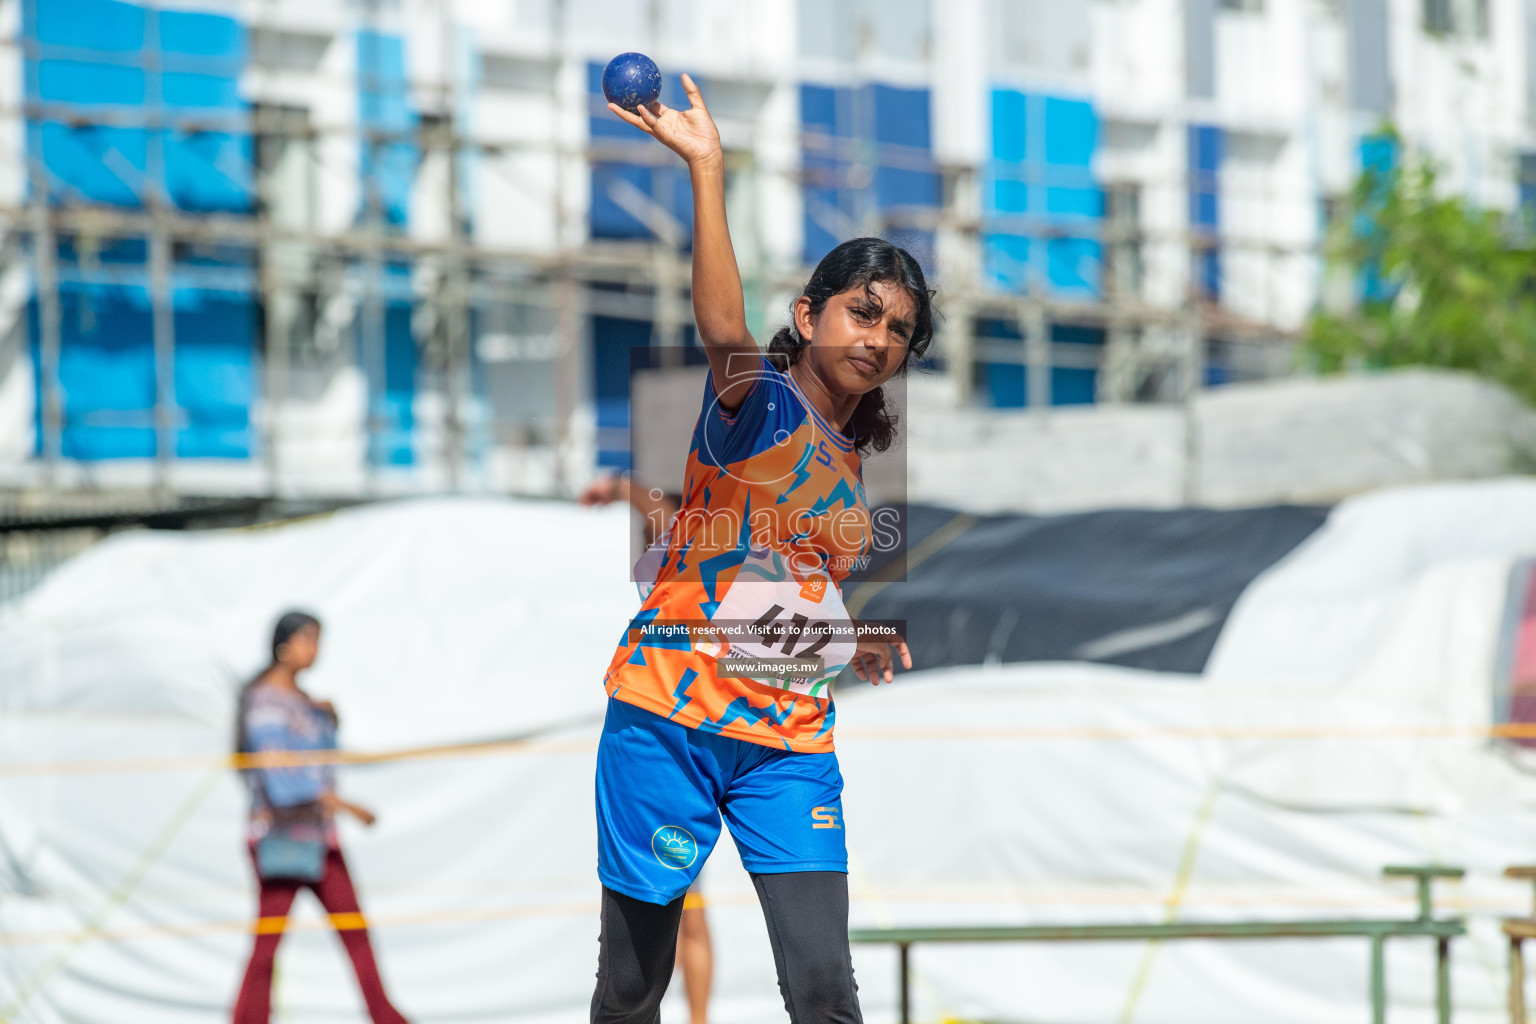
1518	929
1425	925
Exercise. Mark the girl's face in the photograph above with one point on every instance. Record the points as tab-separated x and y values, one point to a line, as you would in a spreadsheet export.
302	649
859	339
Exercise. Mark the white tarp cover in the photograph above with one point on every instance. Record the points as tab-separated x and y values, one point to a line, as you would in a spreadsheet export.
1277	785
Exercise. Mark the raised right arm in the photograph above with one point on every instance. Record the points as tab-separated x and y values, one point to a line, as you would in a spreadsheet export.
719	311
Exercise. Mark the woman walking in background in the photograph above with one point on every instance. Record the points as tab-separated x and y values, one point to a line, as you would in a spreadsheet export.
292	827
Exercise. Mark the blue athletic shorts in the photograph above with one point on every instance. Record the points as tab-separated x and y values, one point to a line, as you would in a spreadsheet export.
662	787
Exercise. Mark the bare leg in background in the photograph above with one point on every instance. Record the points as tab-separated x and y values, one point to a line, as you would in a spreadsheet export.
697	960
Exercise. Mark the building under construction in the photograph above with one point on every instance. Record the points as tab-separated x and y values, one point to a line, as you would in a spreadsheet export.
343	248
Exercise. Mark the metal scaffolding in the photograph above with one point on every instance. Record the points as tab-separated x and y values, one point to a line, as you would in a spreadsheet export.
304	276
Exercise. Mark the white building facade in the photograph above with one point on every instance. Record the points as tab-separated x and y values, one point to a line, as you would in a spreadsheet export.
335	248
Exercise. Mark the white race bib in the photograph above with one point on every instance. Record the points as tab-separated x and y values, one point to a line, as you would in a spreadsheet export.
772	614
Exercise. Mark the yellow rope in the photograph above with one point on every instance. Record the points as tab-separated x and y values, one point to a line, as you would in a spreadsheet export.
116	898
1175	898
286	759
294	759
345	921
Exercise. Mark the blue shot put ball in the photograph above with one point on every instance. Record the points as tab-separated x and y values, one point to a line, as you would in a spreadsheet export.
631	80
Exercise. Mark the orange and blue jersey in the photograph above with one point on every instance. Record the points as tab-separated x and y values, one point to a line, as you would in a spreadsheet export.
773	519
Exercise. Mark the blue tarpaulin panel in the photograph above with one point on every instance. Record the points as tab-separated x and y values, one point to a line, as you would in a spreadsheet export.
613	339
1075	385
1040	192
867	154
1206	144
107	370
1010	125
390	372
85	83
383	106
1005	385
1379	153
387	168
89	24
1219	368
905	181
832	209
1040	188
215	375
200	34
204	55
1525	182
395	404
98	165
205	170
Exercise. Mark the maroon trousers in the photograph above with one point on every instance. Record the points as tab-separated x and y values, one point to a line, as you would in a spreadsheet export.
339	899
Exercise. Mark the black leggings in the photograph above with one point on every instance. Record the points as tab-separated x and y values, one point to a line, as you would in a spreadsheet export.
807	913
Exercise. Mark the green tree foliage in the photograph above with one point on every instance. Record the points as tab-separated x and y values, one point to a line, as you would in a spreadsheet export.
1440	282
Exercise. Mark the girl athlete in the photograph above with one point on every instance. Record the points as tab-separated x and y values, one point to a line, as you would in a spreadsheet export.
773	519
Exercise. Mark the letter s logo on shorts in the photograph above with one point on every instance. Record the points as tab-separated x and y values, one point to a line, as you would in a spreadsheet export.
674	847
825	817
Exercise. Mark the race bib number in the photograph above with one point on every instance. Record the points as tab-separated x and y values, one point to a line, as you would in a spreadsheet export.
769	613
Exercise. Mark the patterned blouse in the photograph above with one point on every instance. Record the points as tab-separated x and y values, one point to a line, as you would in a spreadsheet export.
273	719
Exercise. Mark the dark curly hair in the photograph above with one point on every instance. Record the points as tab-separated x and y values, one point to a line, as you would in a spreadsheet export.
859	263
290	623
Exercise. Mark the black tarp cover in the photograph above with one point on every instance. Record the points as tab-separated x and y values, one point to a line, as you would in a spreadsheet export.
1143	589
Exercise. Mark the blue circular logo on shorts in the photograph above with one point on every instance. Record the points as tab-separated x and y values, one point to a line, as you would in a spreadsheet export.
675	847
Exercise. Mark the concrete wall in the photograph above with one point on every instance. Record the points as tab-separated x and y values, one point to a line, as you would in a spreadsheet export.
1306	441
1072	458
